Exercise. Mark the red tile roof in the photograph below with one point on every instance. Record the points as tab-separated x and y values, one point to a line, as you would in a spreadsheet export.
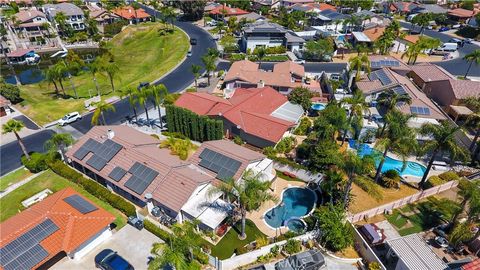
474	265
228	11
128	12
74	230
462	13
312	6
4	102
250	109
26	15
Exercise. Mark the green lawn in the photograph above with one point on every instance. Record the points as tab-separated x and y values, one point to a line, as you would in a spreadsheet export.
422	216
141	53
11	204
226	247
14	177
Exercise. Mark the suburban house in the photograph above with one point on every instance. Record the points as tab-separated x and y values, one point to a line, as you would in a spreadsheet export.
412	252
101	16
289	3
132	16
251	17
224	12
29	23
385	61
385	79
312	7
401	7
430	8
328	20
74	14
270	4
461	15
131	163
284	77
371	19
63	224
260	116
268	34
4	106
441	86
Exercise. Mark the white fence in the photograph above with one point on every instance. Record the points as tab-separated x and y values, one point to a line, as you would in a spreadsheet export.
301	174
401	202
364	249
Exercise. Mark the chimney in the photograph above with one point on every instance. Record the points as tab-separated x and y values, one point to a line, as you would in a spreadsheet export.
261	84
110	134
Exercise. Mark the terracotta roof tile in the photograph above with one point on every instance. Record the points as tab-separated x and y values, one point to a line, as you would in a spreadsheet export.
474	265
228	11
374	33
128	12
26	15
462	13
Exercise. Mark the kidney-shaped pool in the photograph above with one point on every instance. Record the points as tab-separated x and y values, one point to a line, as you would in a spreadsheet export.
296	202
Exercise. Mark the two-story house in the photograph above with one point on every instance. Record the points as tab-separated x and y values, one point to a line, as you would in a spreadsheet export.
268	34
74	15
29	24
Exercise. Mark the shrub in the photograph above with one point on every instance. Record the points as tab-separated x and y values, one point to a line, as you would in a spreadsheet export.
449	176
159	232
238	140
37	162
114	28
374	266
370	187
468	32
237	57
435	181
391	174
261	241
175	135
241	250
269	151
10	91
303	127
285	145
292	246
391	179
275	250
191	90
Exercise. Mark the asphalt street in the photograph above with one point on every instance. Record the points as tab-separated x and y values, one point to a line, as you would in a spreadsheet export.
11	153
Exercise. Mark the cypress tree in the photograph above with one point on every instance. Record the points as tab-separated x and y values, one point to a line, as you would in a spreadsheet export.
201	128
219	129
194	122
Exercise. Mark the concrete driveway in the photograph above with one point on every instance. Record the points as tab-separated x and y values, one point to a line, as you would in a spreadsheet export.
130	243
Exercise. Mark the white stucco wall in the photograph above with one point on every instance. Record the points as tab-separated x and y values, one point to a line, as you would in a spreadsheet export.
91	243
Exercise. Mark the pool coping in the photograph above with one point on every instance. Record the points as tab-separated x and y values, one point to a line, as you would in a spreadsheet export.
301	218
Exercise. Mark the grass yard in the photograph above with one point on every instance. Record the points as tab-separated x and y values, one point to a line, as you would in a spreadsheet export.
414	218
362	201
11	204
141	53
14	177
226	247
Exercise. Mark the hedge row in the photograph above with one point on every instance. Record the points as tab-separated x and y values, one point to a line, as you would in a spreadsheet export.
159	232
93	188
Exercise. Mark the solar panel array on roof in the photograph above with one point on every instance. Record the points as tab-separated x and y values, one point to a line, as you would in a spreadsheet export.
142	177
224	166
420	110
383	77
103	152
79	203
97	162
399	90
117	173
89	146
384	63
25	252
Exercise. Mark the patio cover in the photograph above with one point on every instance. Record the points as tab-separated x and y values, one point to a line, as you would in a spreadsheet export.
461	110
361	37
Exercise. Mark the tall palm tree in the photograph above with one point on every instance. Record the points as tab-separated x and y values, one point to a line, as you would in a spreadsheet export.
94	68
107	65
474	120
158	93
101	108
398	138
60	69
209	63
249	193
332	185
354	166
359	63
196	69
58	142
389	100
443	141
51	76
358	106
401	35
142	97
131	93
470	193
473	57
14	126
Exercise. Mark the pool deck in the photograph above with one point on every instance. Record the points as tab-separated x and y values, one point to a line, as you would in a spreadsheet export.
257	216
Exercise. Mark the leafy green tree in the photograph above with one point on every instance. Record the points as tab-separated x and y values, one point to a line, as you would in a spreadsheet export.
359	63
333	186
101	108
332	119
301	96
443	141
168	14
322	154
398	138
260	52
193	10
336	233
354	166
60	69
14	126
460	234
59	142
51	76
473	57
319	50
10	91
470	193
249	194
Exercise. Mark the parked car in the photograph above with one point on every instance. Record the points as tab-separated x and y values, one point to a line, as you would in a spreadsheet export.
307	260
459	42
441	241
193	41
212	23
468	40
108	259
142	85
189	53
443	29
135	222
440	230
69	118
456	26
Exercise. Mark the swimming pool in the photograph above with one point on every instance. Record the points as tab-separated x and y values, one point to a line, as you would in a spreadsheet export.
296	203
411	168
318	106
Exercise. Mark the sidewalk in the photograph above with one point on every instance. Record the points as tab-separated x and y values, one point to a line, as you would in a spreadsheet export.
19	184
29	129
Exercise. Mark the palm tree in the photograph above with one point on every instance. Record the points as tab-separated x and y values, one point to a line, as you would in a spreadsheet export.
158	93
101	108
131	93
94	68
51	76
60	69
111	68
358	105
470	193
354	166
443	141
389	100
474	120
398	138
220	27
196	73
473	57
359	63
209	63
135	6
260	52
58	142
14	126
142	97
332	185
401	35
249	194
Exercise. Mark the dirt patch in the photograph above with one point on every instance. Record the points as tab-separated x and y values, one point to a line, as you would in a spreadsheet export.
349	253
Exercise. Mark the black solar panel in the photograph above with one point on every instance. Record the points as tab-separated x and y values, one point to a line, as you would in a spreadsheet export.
79	203
420	110
81	153
399	90
108	150
117	173
142	177
97	162
383	77
91	145
224	166
25	251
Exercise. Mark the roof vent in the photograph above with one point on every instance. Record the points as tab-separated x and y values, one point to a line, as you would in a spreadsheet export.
148	196
261	84
110	134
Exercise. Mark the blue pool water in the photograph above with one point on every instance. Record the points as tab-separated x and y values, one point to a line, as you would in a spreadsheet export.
318	106
296	203
411	168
